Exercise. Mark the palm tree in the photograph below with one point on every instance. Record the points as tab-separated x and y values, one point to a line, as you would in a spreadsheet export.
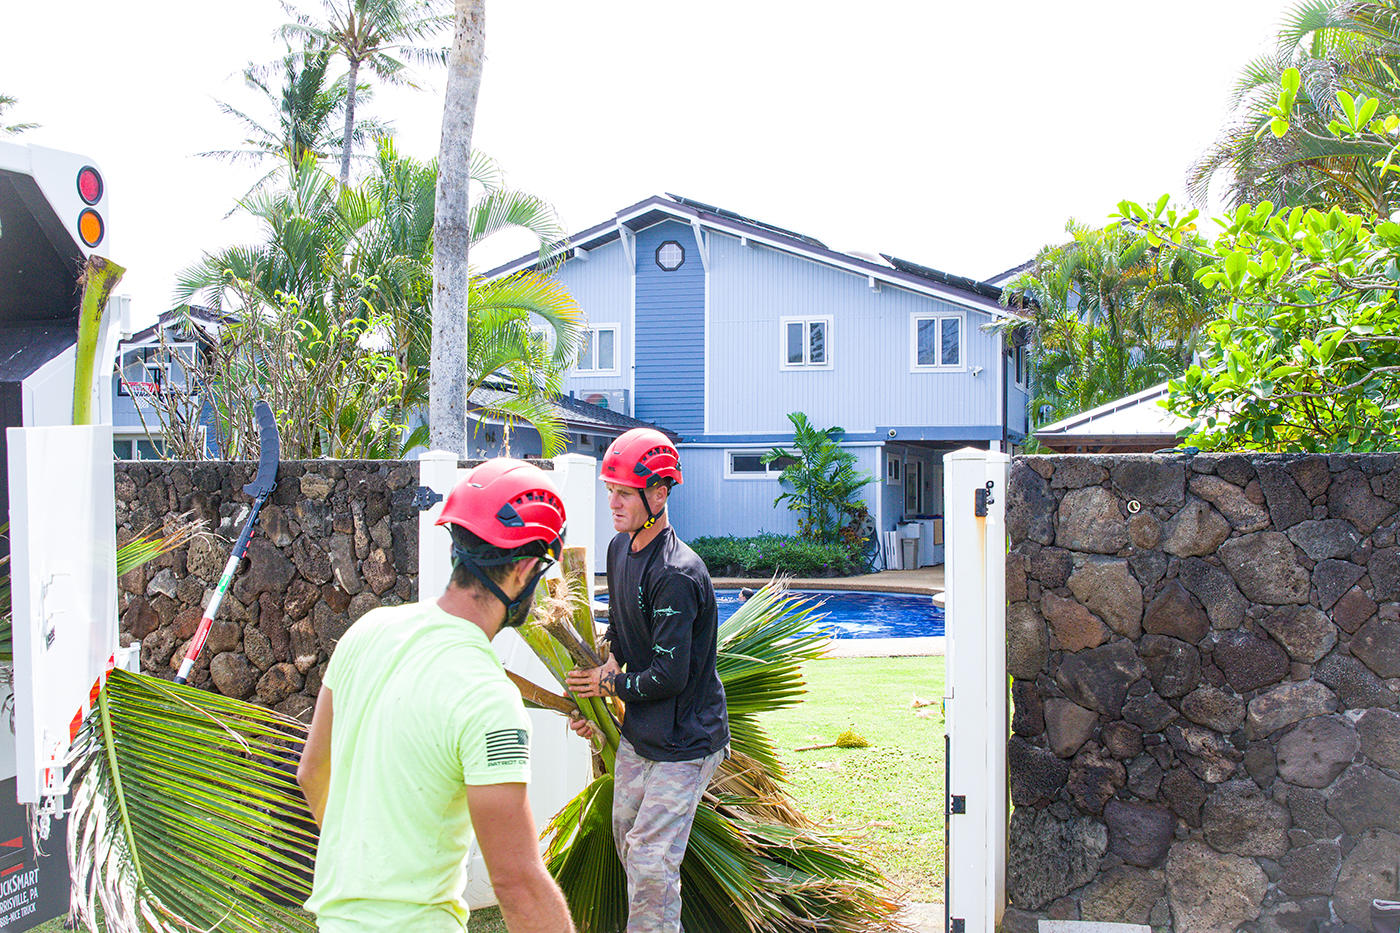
369	249
307	107
447	411
14	129
382	35
1336	45
1110	314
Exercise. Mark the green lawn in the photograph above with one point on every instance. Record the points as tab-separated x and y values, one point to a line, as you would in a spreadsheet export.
890	794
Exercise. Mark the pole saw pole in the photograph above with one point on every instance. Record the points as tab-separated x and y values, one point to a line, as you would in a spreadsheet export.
269	452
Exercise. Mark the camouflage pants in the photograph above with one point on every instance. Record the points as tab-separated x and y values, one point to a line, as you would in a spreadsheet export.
653	807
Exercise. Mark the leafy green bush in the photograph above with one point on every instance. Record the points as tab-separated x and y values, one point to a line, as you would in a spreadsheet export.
766	554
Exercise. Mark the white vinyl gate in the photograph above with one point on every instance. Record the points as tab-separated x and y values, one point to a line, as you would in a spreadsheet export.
975	696
560	761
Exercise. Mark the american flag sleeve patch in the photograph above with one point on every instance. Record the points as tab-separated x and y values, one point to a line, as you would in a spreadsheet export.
507	746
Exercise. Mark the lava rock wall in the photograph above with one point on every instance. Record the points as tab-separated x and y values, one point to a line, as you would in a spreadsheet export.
1205	653
337	539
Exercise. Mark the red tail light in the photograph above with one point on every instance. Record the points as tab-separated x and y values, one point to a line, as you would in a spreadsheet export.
89	184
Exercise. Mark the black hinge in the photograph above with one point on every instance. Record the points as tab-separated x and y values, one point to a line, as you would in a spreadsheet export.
981	498
959	803
425	498
958	925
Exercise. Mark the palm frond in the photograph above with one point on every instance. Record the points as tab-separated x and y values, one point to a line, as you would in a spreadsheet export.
754	862
186	813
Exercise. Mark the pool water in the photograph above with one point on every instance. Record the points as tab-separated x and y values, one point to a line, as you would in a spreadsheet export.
859	614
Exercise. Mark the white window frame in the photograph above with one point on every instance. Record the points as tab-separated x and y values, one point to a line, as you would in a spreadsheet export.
1021	366
939	367
770	473
806	320
895	461
593	331
135	441
162	361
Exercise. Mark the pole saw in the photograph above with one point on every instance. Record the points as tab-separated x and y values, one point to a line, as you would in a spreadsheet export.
269	452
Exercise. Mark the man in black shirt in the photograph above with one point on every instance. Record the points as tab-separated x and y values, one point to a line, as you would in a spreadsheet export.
663	630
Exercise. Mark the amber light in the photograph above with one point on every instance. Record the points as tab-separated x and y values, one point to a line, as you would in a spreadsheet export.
90	227
89	185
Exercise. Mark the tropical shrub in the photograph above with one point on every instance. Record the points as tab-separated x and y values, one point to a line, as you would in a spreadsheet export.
1107	314
819	479
768	555
1306	356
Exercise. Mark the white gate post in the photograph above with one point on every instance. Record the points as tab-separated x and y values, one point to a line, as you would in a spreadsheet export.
975	696
437	470
577	476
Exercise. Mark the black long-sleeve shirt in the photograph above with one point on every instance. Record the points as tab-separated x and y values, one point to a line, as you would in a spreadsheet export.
664	628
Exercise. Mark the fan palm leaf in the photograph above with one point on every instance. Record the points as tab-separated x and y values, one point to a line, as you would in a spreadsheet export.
753	861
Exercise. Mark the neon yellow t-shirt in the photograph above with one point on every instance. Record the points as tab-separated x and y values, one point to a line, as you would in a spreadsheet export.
421	709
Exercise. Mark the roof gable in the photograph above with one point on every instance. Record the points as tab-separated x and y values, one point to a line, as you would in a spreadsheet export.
966	292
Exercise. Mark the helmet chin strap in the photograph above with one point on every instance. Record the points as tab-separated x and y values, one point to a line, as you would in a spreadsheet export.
513	606
652	517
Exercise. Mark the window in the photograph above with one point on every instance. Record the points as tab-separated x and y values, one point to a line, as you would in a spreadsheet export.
806	343
748	464
670	256
914	487
150	369
599	354
138	448
1020	364
935	341
892	469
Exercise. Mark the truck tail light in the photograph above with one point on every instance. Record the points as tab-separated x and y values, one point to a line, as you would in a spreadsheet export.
89	184
90	227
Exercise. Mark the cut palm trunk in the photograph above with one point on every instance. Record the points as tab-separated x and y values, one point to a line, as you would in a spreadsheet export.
754	862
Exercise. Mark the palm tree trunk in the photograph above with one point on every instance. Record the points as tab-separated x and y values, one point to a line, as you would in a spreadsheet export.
447	387
348	142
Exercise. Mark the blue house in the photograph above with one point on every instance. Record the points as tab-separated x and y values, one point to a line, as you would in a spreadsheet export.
151	387
715	326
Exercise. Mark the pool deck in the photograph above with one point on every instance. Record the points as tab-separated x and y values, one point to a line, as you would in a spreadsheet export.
925	580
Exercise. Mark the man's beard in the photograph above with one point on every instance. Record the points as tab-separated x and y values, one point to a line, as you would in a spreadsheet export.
517	616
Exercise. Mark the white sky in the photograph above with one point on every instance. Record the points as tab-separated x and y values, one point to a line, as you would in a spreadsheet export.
958	135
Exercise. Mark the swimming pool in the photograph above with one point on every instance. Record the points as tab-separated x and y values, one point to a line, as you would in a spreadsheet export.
860	614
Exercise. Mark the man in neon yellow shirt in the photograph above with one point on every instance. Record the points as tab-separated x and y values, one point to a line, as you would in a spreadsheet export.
419	742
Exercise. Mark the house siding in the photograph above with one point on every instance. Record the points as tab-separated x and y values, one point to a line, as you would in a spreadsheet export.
869	385
1016	405
670	333
602	286
708	504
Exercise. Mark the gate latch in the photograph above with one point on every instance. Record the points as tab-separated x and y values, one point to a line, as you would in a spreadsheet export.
981	498
425	498
959	804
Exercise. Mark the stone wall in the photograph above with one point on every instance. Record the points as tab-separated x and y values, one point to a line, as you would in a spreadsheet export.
337	539
1205	655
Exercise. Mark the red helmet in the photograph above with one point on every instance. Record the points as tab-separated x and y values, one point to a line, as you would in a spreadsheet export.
508	503
641	458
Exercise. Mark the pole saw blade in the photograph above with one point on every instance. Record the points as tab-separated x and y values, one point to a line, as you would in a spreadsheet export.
269	452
